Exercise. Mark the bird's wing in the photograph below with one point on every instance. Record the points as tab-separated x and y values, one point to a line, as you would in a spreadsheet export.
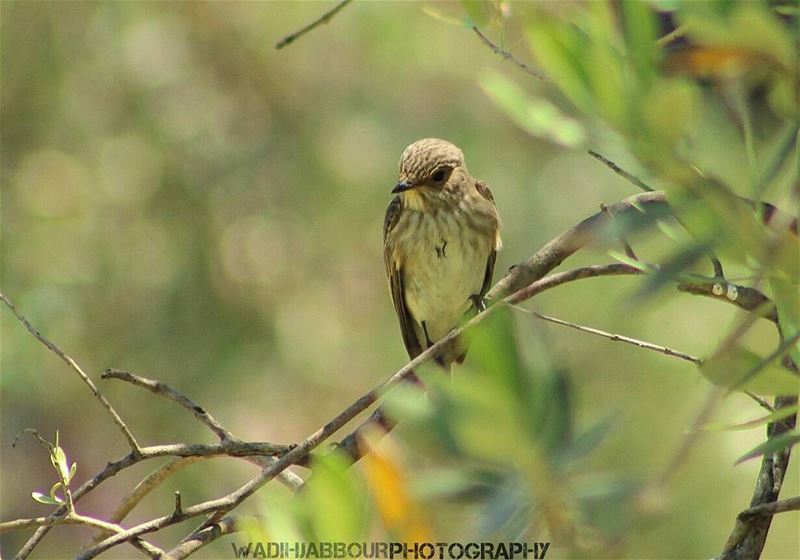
484	190
395	276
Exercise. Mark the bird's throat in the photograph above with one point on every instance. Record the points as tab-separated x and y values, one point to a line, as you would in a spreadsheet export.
415	199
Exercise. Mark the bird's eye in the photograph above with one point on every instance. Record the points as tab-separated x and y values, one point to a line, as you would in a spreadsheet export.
439	175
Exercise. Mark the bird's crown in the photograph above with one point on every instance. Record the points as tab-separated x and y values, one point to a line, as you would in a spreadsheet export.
425	156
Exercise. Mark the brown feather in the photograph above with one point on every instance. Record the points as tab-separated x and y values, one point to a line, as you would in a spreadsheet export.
395	275
484	190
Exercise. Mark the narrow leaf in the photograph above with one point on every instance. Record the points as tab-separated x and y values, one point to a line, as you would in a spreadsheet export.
773	445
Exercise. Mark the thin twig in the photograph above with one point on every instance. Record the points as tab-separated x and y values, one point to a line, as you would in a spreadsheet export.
71	519
621	172
763	403
767	213
75	367
771	508
287	478
178	504
615	337
165	390
507	55
559	278
324	18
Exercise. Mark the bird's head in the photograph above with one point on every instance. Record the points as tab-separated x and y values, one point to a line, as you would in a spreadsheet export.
430	165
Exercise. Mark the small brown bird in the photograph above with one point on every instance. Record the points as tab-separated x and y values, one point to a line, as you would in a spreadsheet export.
440	238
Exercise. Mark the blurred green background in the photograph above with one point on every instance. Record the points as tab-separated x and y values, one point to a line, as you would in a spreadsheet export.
183	201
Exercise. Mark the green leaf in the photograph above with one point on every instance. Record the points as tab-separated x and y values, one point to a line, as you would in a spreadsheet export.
742	370
409	402
59	460
44	499
787	301
493	349
640	35
630	261
588	440
777	154
674	269
772	445
506	509
448	484
335	499
445	18
779	414
683	100
553	430
478	11
560	50
537	116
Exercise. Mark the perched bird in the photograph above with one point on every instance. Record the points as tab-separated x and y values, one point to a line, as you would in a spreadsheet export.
440	238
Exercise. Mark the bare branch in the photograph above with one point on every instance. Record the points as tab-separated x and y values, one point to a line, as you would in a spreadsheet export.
507	55
763	403
165	390
178	504
71	519
746	298
287	478
553	280
615	337
621	172
554	252
75	367
324	18
522	282
199	539
750	531
771	508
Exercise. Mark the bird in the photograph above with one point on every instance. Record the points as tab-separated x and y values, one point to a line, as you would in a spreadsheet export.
441	235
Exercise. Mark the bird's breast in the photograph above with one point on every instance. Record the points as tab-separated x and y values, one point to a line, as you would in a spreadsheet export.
443	255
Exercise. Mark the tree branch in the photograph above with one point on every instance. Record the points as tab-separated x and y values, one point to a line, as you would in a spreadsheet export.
165	390
199	539
520	283
771	508
77	369
507	55
621	172
554	252
615	337
749	533
748	299
324	18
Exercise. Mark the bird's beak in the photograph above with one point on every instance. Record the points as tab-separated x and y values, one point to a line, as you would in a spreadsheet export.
402	186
